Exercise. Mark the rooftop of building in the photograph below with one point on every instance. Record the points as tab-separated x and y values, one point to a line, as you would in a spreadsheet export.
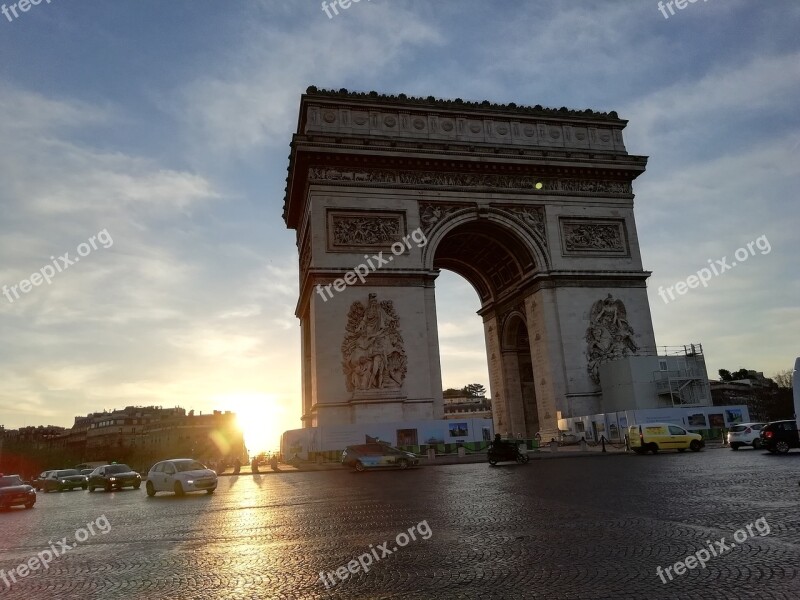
432	102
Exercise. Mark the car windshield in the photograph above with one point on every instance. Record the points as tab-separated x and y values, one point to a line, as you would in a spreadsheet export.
10	480
188	465
67	473
118	469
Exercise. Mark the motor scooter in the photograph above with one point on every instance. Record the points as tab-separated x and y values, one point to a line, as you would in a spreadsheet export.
505	451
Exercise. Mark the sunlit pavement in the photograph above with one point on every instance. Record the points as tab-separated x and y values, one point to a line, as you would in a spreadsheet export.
573	529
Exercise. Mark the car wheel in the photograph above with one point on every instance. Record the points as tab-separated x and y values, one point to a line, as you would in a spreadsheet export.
653	448
359	466
137	485
84	486
91	489
492	461
756	444
695	446
151	491
211	491
29	506
402	463
782	447
178	488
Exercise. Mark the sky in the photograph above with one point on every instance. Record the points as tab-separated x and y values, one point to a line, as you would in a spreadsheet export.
157	135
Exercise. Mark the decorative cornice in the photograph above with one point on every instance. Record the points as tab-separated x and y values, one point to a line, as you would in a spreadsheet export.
459	104
435	179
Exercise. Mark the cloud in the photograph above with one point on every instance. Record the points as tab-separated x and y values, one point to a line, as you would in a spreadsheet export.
249	99
680	113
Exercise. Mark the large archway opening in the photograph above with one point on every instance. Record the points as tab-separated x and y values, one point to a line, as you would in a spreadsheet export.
487	255
462	345
494	262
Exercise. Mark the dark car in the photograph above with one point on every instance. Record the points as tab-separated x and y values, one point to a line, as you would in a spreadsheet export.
114	477
65	479
15	492
780	436
370	456
38	481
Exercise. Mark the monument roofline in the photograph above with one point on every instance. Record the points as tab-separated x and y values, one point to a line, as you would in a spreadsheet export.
374	98
336	126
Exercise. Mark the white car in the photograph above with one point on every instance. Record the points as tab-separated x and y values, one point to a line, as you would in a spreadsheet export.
180	475
745	434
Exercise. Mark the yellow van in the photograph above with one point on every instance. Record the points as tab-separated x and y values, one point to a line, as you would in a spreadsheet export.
652	437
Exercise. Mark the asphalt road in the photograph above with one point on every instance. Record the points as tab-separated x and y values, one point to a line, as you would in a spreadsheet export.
579	528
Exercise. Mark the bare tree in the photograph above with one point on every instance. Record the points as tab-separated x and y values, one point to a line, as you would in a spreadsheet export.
783	378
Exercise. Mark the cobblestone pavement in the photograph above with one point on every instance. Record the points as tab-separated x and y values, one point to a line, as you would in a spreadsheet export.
584	528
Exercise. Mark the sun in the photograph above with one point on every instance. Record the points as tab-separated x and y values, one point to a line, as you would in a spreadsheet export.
260	417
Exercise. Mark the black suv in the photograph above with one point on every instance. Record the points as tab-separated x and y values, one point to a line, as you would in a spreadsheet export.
780	436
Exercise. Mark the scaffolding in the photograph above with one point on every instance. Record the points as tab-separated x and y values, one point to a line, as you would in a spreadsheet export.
682	375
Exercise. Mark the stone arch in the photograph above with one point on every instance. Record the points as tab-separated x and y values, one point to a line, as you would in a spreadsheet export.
488	248
511	338
509	222
548	197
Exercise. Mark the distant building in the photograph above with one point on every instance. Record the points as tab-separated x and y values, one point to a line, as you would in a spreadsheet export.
209	438
135	435
467	407
23	450
762	396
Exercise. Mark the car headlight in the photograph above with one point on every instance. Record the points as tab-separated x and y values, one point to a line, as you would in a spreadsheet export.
112	478
63	481
189	481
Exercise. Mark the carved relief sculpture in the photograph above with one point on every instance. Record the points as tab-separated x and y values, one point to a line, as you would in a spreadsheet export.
609	335
365	231
533	216
431	214
469	180
602	237
373	353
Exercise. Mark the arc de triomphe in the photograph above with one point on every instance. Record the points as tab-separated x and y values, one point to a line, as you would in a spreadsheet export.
533	206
